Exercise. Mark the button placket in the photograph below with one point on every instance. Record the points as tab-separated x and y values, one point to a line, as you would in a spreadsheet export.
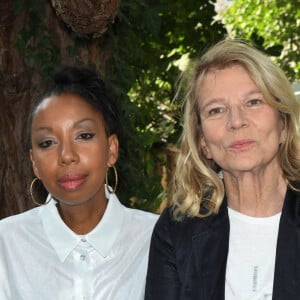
83	269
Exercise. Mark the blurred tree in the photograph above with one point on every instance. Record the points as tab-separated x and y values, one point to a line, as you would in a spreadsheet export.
151	38
140	55
273	25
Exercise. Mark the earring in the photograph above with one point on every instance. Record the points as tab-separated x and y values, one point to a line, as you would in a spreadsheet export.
31	194
109	188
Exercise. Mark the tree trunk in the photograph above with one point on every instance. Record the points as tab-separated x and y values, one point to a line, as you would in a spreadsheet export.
19	86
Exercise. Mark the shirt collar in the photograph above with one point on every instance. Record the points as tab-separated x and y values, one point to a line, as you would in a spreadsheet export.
102	237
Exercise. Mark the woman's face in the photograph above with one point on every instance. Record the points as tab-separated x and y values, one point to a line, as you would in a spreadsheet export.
241	131
70	149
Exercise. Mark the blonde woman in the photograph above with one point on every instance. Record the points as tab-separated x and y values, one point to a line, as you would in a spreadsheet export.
232	230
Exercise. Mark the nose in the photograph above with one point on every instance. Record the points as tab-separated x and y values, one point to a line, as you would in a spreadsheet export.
68	153
236	118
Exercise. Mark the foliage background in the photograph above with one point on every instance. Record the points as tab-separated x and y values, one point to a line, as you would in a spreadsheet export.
141	57
272	25
149	38
144	44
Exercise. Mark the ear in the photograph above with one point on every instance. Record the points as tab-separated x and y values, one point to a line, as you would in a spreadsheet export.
34	167
204	148
113	145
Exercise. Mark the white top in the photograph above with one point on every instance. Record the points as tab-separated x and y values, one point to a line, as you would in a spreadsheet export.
251	257
41	258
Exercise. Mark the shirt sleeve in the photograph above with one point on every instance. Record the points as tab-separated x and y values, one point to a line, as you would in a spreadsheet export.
162	277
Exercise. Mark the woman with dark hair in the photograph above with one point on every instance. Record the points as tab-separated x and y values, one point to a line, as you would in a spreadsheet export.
83	243
232	229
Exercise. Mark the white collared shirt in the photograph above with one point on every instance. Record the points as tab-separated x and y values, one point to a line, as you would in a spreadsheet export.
41	258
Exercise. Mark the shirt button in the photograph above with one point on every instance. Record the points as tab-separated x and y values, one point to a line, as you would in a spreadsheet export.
82	257
83	240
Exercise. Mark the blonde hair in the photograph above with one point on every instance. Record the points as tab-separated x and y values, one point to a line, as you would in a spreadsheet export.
197	189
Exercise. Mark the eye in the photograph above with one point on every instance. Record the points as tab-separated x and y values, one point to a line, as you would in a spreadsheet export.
45	144
254	102
216	110
86	136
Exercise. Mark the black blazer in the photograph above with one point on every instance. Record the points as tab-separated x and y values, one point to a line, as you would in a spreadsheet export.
188	259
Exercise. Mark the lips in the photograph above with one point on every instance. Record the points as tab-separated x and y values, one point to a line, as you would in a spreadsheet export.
241	145
72	181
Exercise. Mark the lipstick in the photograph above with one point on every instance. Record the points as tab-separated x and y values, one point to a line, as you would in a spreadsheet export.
71	181
241	145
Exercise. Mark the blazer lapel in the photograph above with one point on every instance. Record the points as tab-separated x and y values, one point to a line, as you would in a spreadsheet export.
210	249
287	264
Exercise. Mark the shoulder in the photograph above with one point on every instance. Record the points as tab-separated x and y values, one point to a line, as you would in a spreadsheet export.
135	227
293	192
129	222
182	232
292	201
140	217
178	231
21	222
166	219
116	209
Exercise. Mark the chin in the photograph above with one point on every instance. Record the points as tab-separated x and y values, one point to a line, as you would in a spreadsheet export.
240	168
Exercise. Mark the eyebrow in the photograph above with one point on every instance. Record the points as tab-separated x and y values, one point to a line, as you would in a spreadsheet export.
253	92
75	124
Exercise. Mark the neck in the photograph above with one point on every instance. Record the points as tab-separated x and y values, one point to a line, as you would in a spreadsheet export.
82	218
257	195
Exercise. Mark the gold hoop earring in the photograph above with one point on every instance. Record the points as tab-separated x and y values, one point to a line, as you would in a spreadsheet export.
31	194
109	188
